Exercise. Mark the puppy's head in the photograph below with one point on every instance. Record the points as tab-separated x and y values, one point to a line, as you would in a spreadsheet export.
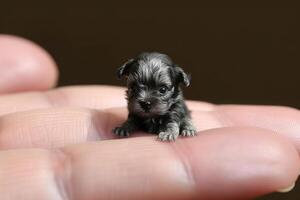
153	84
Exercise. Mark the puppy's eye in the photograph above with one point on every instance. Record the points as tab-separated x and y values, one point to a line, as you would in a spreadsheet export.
143	87
163	89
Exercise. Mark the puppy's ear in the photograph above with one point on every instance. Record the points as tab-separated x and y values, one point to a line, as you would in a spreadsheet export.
124	69
182	77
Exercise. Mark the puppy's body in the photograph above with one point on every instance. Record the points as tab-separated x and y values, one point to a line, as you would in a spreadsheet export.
155	100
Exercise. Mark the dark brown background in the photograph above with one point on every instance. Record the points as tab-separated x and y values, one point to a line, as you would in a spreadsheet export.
245	55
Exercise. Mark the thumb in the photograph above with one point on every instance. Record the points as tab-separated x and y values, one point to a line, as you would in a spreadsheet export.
24	66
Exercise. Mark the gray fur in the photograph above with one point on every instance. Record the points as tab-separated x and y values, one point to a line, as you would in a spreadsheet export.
155	100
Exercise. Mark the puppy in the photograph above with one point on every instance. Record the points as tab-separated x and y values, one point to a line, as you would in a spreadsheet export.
155	100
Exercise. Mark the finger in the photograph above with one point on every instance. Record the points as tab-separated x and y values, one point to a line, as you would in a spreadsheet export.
281	120
220	164
94	97
285	121
59	126
24	66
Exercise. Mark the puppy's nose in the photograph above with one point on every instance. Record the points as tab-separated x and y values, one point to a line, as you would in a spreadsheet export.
146	105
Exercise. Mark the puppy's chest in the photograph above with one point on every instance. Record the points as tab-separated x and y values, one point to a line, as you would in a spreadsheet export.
152	125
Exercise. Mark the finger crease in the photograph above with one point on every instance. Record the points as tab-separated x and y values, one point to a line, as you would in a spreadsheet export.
63	173
56	98
186	164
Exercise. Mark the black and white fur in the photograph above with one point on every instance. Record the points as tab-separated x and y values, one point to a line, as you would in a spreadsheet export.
155	100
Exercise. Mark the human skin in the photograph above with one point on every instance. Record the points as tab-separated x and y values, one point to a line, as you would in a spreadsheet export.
57	143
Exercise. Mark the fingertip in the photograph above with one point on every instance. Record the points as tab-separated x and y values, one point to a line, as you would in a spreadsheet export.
241	163
25	66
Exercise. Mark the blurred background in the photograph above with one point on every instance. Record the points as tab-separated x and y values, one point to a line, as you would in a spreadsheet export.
242	55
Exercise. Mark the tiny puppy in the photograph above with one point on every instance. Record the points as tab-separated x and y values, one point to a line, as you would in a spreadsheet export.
155	100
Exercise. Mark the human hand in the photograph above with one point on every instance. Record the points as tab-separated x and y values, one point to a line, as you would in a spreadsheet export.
57	143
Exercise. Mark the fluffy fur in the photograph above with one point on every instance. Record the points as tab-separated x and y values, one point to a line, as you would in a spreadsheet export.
155	100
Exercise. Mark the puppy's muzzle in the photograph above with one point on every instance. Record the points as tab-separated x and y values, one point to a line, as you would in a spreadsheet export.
146	105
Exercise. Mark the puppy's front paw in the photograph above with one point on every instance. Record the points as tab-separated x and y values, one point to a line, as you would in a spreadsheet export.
121	131
188	131
167	136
